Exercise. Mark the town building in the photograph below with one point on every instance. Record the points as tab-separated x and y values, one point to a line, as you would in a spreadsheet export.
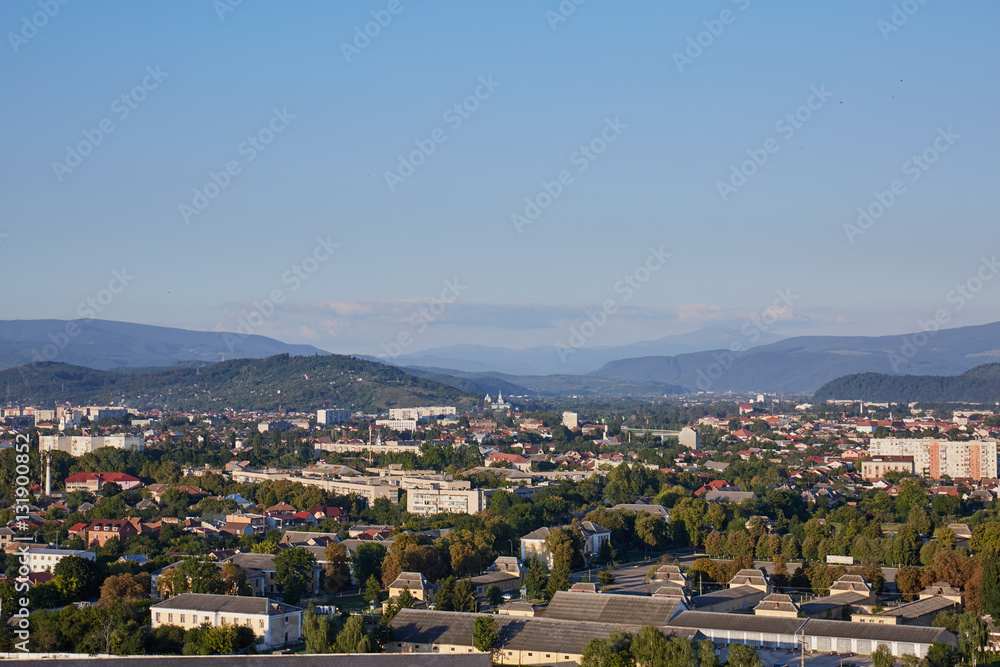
78	445
528	640
443	496
100	532
93	482
45	559
972	459
877	466
421	413
327	417
594	536
274	623
746	589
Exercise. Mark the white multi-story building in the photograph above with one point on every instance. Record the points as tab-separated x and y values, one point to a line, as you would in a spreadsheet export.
436	497
421	413
397	424
972	459
45	559
78	445
274	623
327	417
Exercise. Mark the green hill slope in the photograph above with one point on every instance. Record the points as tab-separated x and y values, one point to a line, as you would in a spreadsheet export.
977	385
299	383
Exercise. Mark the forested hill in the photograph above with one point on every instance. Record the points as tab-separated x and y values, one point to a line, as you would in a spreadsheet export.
299	383
977	385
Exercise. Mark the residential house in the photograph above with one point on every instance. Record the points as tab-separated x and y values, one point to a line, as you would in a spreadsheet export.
273	623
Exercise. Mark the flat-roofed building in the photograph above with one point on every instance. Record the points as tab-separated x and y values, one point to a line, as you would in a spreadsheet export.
78	445
274	623
422	412
878	466
970	459
327	417
441	498
45	559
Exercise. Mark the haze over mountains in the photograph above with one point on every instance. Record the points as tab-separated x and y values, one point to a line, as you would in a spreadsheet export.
546	360
104	344
798	365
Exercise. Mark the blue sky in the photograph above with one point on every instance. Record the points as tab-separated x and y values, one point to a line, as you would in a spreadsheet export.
553	86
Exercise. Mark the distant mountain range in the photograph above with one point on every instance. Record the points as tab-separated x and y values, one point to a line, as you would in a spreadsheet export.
545	360
104	344
803	364
799	365
977	385
302	383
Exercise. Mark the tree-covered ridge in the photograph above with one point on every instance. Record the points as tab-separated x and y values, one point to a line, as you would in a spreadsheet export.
301	383
977	385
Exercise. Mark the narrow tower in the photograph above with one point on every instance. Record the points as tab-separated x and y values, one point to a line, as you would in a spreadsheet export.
48	475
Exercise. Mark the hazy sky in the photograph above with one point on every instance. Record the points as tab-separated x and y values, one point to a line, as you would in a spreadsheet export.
311	118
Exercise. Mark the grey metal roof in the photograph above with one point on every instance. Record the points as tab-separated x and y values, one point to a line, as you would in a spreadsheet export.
708	620
920	608
912	634
611	608
826	603
517	633
226	604
263	562
725	594
334	659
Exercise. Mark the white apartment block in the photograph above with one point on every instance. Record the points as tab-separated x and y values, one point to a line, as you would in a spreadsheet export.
45	559
274	623
78	445
421	413
327	417
441	498
397	424
973	459
387	447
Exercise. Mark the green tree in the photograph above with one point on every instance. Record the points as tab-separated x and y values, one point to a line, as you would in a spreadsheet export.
486	635
445	599
989	588
973	636
536	579
338	566
316	632
373	589
939	655
294	573
354	638
707	657
79	578
559	580
405	599
606	577
743	655
649	647
367	561
882	657
465	596
615	651
494	596
652	530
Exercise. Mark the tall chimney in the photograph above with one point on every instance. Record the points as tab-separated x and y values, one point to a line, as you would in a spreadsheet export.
48	475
